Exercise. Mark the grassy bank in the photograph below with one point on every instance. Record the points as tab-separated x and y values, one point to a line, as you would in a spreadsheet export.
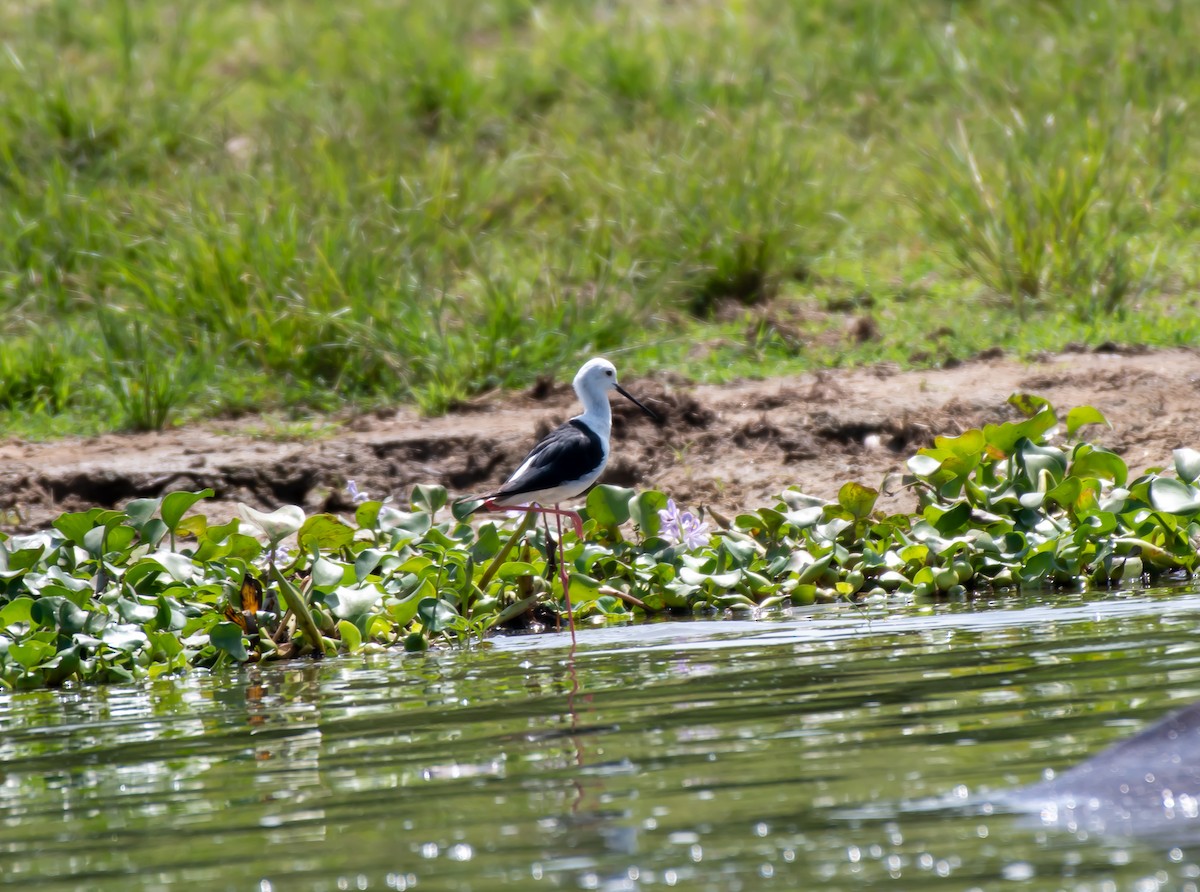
209	208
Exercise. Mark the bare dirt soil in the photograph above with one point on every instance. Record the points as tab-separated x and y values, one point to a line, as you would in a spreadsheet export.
726	447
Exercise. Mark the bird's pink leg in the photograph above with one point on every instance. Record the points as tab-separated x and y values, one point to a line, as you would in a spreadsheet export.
575	519
557	616
562	572
559	514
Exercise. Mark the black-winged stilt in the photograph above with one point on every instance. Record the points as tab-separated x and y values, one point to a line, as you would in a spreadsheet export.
566	461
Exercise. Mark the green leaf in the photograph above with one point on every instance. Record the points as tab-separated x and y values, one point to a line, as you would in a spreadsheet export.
277	525
366	563
154	532
353	600
119	538
71	618
1066	493
773	520
140	511
246	548
741	553
93	540
924	465
643	510
16	611
1002	439
227	636
1099	524
297	602
1028	404
74	584
428	498
366	515
176	504
31	652
135	612
221	532
1081	415
193	525
62	666
1172	497
75	526
123	636
324	531
169	616
1038	460
487	543
415	523
859	500
350	635
720	580
1092	461
1131	569
435	614
957	457
954	520
463	509
163	640
1187	464
402	612
515	570
146	567
44	611
584	589
181	567
325	573
609	505
967	444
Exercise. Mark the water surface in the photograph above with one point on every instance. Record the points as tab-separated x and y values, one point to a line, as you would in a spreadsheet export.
833	749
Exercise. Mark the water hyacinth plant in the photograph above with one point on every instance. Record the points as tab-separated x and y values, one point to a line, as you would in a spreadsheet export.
115	595
682	527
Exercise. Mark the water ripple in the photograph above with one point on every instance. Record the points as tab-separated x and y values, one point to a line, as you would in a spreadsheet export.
824	747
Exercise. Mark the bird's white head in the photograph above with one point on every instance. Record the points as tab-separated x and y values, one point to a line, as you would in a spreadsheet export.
594	380
592	383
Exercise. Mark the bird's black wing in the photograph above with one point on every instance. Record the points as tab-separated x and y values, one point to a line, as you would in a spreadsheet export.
567	453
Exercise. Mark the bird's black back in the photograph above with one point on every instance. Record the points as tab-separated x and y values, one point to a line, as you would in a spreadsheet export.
569	452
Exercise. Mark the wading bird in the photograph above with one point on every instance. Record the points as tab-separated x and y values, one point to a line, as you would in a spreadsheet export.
566	461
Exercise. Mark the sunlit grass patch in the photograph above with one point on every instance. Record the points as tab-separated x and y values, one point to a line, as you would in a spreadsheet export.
1054	210
380	202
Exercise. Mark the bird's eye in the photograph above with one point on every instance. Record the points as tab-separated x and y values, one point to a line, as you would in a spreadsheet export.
608	372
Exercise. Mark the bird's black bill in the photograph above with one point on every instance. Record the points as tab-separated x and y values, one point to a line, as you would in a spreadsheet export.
466	506
625	393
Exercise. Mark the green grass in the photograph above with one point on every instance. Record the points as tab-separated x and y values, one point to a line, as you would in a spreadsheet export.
220	207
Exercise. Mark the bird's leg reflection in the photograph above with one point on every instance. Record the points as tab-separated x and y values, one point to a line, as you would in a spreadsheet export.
573	734
256	708
589	824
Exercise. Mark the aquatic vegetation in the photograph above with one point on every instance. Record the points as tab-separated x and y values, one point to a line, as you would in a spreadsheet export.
109	595
682	527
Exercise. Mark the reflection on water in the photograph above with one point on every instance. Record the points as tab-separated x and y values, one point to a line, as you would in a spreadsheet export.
833	749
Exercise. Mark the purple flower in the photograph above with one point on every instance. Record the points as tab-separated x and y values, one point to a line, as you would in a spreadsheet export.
277	555
356	496
683	527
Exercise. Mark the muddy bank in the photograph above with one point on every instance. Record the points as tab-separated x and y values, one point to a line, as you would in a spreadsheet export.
729	447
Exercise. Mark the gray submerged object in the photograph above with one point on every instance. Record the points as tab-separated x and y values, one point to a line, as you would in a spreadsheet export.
1148	785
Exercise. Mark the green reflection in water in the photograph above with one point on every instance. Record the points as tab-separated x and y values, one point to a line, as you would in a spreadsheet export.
836	748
